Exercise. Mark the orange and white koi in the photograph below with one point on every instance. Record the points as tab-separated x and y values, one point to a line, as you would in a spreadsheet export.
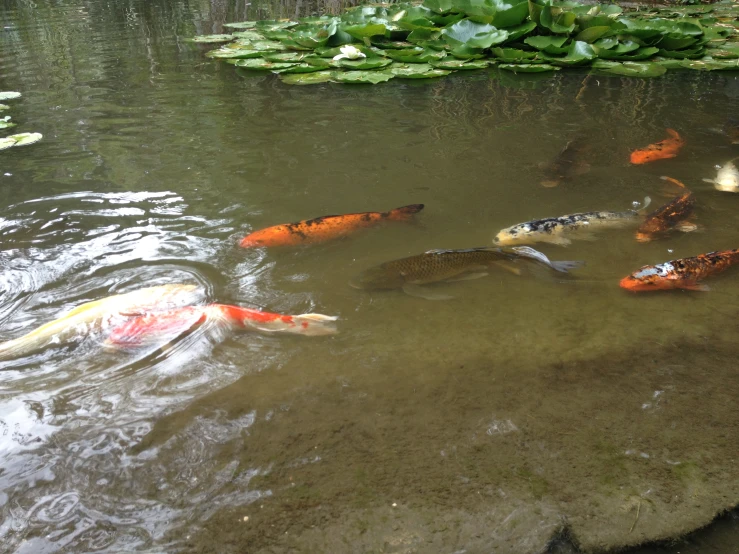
82	319
152	326
684	273
666	217
324	228
661	150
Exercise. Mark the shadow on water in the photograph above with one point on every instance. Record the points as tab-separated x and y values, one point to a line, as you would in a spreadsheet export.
521	410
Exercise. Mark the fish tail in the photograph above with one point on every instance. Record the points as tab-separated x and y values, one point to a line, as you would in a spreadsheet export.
566	266
315	324
673	181
16	348
561	266
405	213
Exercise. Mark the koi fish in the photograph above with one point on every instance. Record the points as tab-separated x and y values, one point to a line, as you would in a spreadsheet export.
79	321
172	323
449	265
684	273
567	164
671	215
580	225
727	178
324	228
661	150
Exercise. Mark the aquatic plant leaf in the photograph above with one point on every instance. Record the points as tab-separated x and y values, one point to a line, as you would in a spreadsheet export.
383	43
439	6
272	25
415	17
362	64
591	34
499	13
688	53
300	68
241	25
673	41
630	69
727	52
474	35
418	35
607	43
415	55
464	52
4	107
639	54
515	33
317	61
710	64
21	139
528	68
262	64
369	29
579	53
265	45
306	78
513	55
284	56
416	71
9	95
234	53
352	77
557	20
5	122
459	64
541	42
207	39
249	35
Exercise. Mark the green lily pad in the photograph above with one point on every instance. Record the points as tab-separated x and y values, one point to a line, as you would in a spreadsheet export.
608	43
710	64
415	55
515	33
5	122
372	77
513	55
416	71
466	53
369	29
474	35
248	35
440	6
542	42
300	68
241	25
578	53
638	54
4	107
528	68
285	56
9	95
630	69
265	45
262	64
727	52
688	53
384	44
273	25
234	53
591	34
557	20
306	78
674	41
208	39
362	63
21	139
459	64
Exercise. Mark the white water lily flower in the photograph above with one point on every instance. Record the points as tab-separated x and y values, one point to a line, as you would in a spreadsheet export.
350	53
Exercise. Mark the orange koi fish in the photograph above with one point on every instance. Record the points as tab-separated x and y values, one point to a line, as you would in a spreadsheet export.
324	228
680	274
673	214
661	150
140	330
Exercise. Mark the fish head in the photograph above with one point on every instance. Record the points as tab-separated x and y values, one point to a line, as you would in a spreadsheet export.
518	234
727	179
272	236
652	277
379	277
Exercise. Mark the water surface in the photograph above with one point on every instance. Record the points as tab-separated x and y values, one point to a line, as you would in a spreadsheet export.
525	405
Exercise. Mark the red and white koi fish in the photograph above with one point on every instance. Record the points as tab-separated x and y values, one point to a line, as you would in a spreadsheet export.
81	320
172	323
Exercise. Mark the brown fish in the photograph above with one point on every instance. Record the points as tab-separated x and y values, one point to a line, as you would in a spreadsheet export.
567	164
446	265
671	215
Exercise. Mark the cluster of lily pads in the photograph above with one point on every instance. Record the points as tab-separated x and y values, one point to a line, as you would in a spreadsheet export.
373	44
21	139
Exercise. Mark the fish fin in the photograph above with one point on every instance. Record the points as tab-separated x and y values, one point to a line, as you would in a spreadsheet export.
567	265
712	181
315	324
643	209
508	267
696	287
405	212
468	276
562	266
318	317
550	183
420	292
674	134
673	181
687	227
581	168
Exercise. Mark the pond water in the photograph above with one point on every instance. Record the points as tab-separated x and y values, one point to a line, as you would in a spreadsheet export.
524	409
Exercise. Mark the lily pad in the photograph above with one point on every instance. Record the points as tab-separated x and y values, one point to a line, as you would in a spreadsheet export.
542	42
21	139
710	64
5	122
415	55
515	33
578	53
234	53
306	78
241	25
474	35
630	69
357	77
9	95
285	56
459	64
248	35
529	68
262	64
300	68
363	63
273	25
638	54
4	107
416	71
207	39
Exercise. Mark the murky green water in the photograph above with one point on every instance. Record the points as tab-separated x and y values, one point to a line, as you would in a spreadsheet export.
521	410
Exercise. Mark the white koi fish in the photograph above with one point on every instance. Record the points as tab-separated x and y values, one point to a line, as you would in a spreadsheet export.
727	178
